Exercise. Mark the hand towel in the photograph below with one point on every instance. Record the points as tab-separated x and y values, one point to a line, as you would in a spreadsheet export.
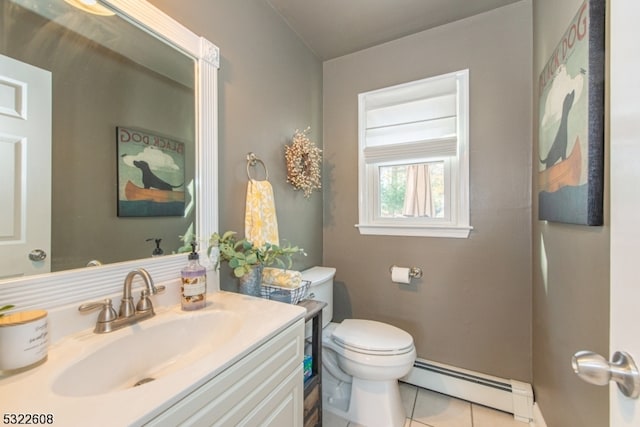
260	222
279	277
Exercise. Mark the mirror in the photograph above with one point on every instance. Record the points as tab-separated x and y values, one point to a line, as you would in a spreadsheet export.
134	72
87	202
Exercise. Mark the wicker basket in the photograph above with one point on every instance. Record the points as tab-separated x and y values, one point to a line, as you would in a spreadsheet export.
288	295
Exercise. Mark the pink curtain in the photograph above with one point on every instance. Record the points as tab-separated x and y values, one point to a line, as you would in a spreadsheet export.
417	197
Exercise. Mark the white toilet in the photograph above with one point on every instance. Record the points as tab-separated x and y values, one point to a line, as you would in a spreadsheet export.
361	362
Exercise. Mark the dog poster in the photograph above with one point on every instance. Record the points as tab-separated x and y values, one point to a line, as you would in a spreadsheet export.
151	174
571	122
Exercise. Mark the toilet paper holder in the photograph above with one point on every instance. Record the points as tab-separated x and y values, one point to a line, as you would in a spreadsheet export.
414	272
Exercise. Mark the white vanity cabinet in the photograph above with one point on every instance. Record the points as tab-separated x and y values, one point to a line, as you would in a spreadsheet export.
264	388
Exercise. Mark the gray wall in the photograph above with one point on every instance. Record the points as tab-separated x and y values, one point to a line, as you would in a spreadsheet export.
571	286
472	309
270	84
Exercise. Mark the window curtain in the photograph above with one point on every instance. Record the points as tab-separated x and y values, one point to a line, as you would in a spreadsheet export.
417	197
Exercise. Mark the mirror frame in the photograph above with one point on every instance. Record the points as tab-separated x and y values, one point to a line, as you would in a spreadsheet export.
56	289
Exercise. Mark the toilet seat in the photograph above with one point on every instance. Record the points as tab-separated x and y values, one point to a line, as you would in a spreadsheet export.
372	338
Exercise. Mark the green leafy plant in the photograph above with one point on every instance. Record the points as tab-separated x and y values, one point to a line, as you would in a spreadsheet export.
5	308
243	256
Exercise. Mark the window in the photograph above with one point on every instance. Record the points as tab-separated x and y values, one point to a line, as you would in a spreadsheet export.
414	158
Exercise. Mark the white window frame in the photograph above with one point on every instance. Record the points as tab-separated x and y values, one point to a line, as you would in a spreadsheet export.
456	222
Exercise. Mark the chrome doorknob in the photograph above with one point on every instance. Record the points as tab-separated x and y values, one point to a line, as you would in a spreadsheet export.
595	369
37	255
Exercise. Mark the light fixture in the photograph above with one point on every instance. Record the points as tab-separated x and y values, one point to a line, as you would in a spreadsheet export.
91	6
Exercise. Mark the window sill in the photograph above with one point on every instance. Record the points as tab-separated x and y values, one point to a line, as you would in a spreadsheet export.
457	232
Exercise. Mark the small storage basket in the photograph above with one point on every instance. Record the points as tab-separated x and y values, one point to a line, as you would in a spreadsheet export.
288	295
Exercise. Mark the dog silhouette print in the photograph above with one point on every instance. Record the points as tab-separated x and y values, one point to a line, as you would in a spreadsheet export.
151	180
558	149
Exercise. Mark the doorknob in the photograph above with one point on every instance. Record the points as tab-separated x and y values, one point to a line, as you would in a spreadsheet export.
595	369
37	255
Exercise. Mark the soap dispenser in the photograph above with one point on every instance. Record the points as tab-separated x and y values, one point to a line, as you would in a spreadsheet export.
158	250
194	282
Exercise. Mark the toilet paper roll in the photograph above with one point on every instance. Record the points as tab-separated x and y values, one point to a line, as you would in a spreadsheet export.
400	274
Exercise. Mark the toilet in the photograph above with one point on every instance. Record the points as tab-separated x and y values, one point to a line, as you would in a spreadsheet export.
362	361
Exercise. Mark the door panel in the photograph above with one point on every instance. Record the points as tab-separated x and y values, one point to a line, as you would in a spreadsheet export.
625	196
25	167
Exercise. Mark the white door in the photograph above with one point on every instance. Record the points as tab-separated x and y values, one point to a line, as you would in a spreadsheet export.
25	168
625	196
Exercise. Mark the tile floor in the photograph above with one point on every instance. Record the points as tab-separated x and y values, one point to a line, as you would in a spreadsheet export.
430	409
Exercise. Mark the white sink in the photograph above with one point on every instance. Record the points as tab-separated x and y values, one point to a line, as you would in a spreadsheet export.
145	352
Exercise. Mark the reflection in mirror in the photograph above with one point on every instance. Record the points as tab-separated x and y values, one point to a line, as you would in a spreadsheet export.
75	286
107	74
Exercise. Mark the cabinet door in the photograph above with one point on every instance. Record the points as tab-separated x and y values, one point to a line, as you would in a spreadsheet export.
283	407
263	388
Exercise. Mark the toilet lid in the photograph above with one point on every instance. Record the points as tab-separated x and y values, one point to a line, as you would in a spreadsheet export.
371	336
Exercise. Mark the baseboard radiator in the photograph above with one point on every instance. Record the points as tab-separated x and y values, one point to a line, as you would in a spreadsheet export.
510	396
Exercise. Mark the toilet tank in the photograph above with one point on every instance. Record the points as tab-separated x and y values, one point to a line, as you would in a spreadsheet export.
321	287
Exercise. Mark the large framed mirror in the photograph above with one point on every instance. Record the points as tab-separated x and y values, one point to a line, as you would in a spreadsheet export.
133	98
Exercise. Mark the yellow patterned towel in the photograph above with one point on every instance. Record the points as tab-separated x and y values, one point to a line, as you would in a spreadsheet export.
280	277
260	222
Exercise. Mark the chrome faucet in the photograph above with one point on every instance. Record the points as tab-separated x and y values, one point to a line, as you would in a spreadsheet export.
109	320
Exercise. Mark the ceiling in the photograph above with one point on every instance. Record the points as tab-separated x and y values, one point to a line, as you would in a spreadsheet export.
332	28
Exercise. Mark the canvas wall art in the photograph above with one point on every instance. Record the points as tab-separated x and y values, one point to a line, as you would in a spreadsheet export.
151	174
571	122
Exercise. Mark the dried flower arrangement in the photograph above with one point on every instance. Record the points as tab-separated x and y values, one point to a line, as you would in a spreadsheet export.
303	159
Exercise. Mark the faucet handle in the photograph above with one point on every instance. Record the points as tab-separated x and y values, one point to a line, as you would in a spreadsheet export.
107	314
144	304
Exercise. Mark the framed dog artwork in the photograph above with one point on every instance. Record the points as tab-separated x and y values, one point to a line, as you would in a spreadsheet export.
151	174
571	122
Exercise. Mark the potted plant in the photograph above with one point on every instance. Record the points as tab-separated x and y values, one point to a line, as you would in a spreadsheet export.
247	260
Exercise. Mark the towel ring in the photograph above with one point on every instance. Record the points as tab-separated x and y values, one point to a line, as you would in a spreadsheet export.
252	160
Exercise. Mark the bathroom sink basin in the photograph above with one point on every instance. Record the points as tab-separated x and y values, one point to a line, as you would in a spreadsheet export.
144	352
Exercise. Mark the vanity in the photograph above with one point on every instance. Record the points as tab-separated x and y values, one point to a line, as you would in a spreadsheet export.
238	361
